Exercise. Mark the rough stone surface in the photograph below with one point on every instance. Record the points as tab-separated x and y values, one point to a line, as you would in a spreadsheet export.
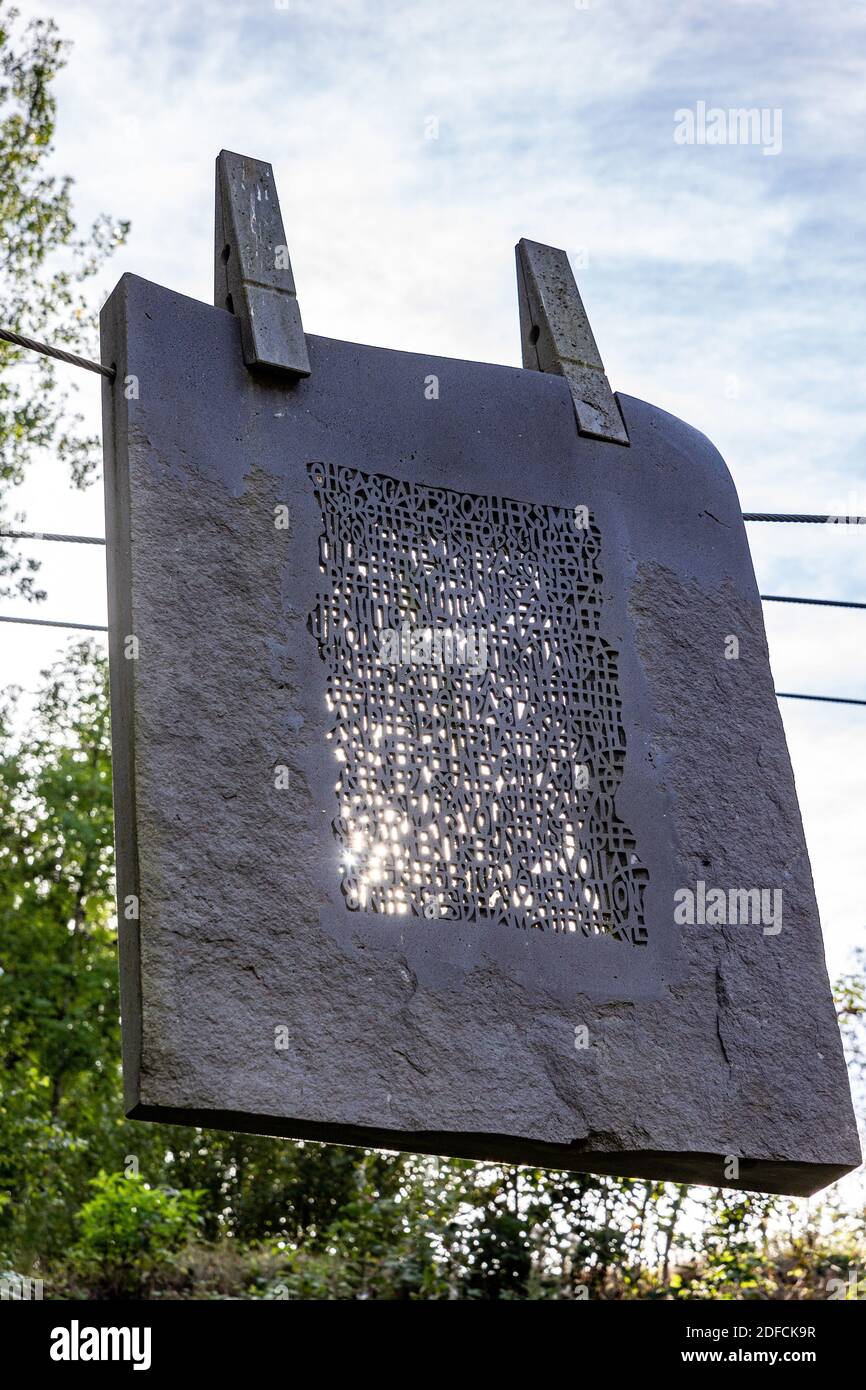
556	337
252	273
441	1036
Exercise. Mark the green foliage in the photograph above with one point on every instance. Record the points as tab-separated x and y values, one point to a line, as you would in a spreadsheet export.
130	1233
45	266
58	1005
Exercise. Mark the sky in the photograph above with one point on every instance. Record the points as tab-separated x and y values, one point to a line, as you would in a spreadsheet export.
414	143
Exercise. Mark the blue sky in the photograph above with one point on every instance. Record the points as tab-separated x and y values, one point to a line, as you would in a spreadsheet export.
723	284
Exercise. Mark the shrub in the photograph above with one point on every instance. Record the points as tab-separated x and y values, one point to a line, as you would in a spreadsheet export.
130	1234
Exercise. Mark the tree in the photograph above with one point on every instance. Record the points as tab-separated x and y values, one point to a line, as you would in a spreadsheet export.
44	267
58	1010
